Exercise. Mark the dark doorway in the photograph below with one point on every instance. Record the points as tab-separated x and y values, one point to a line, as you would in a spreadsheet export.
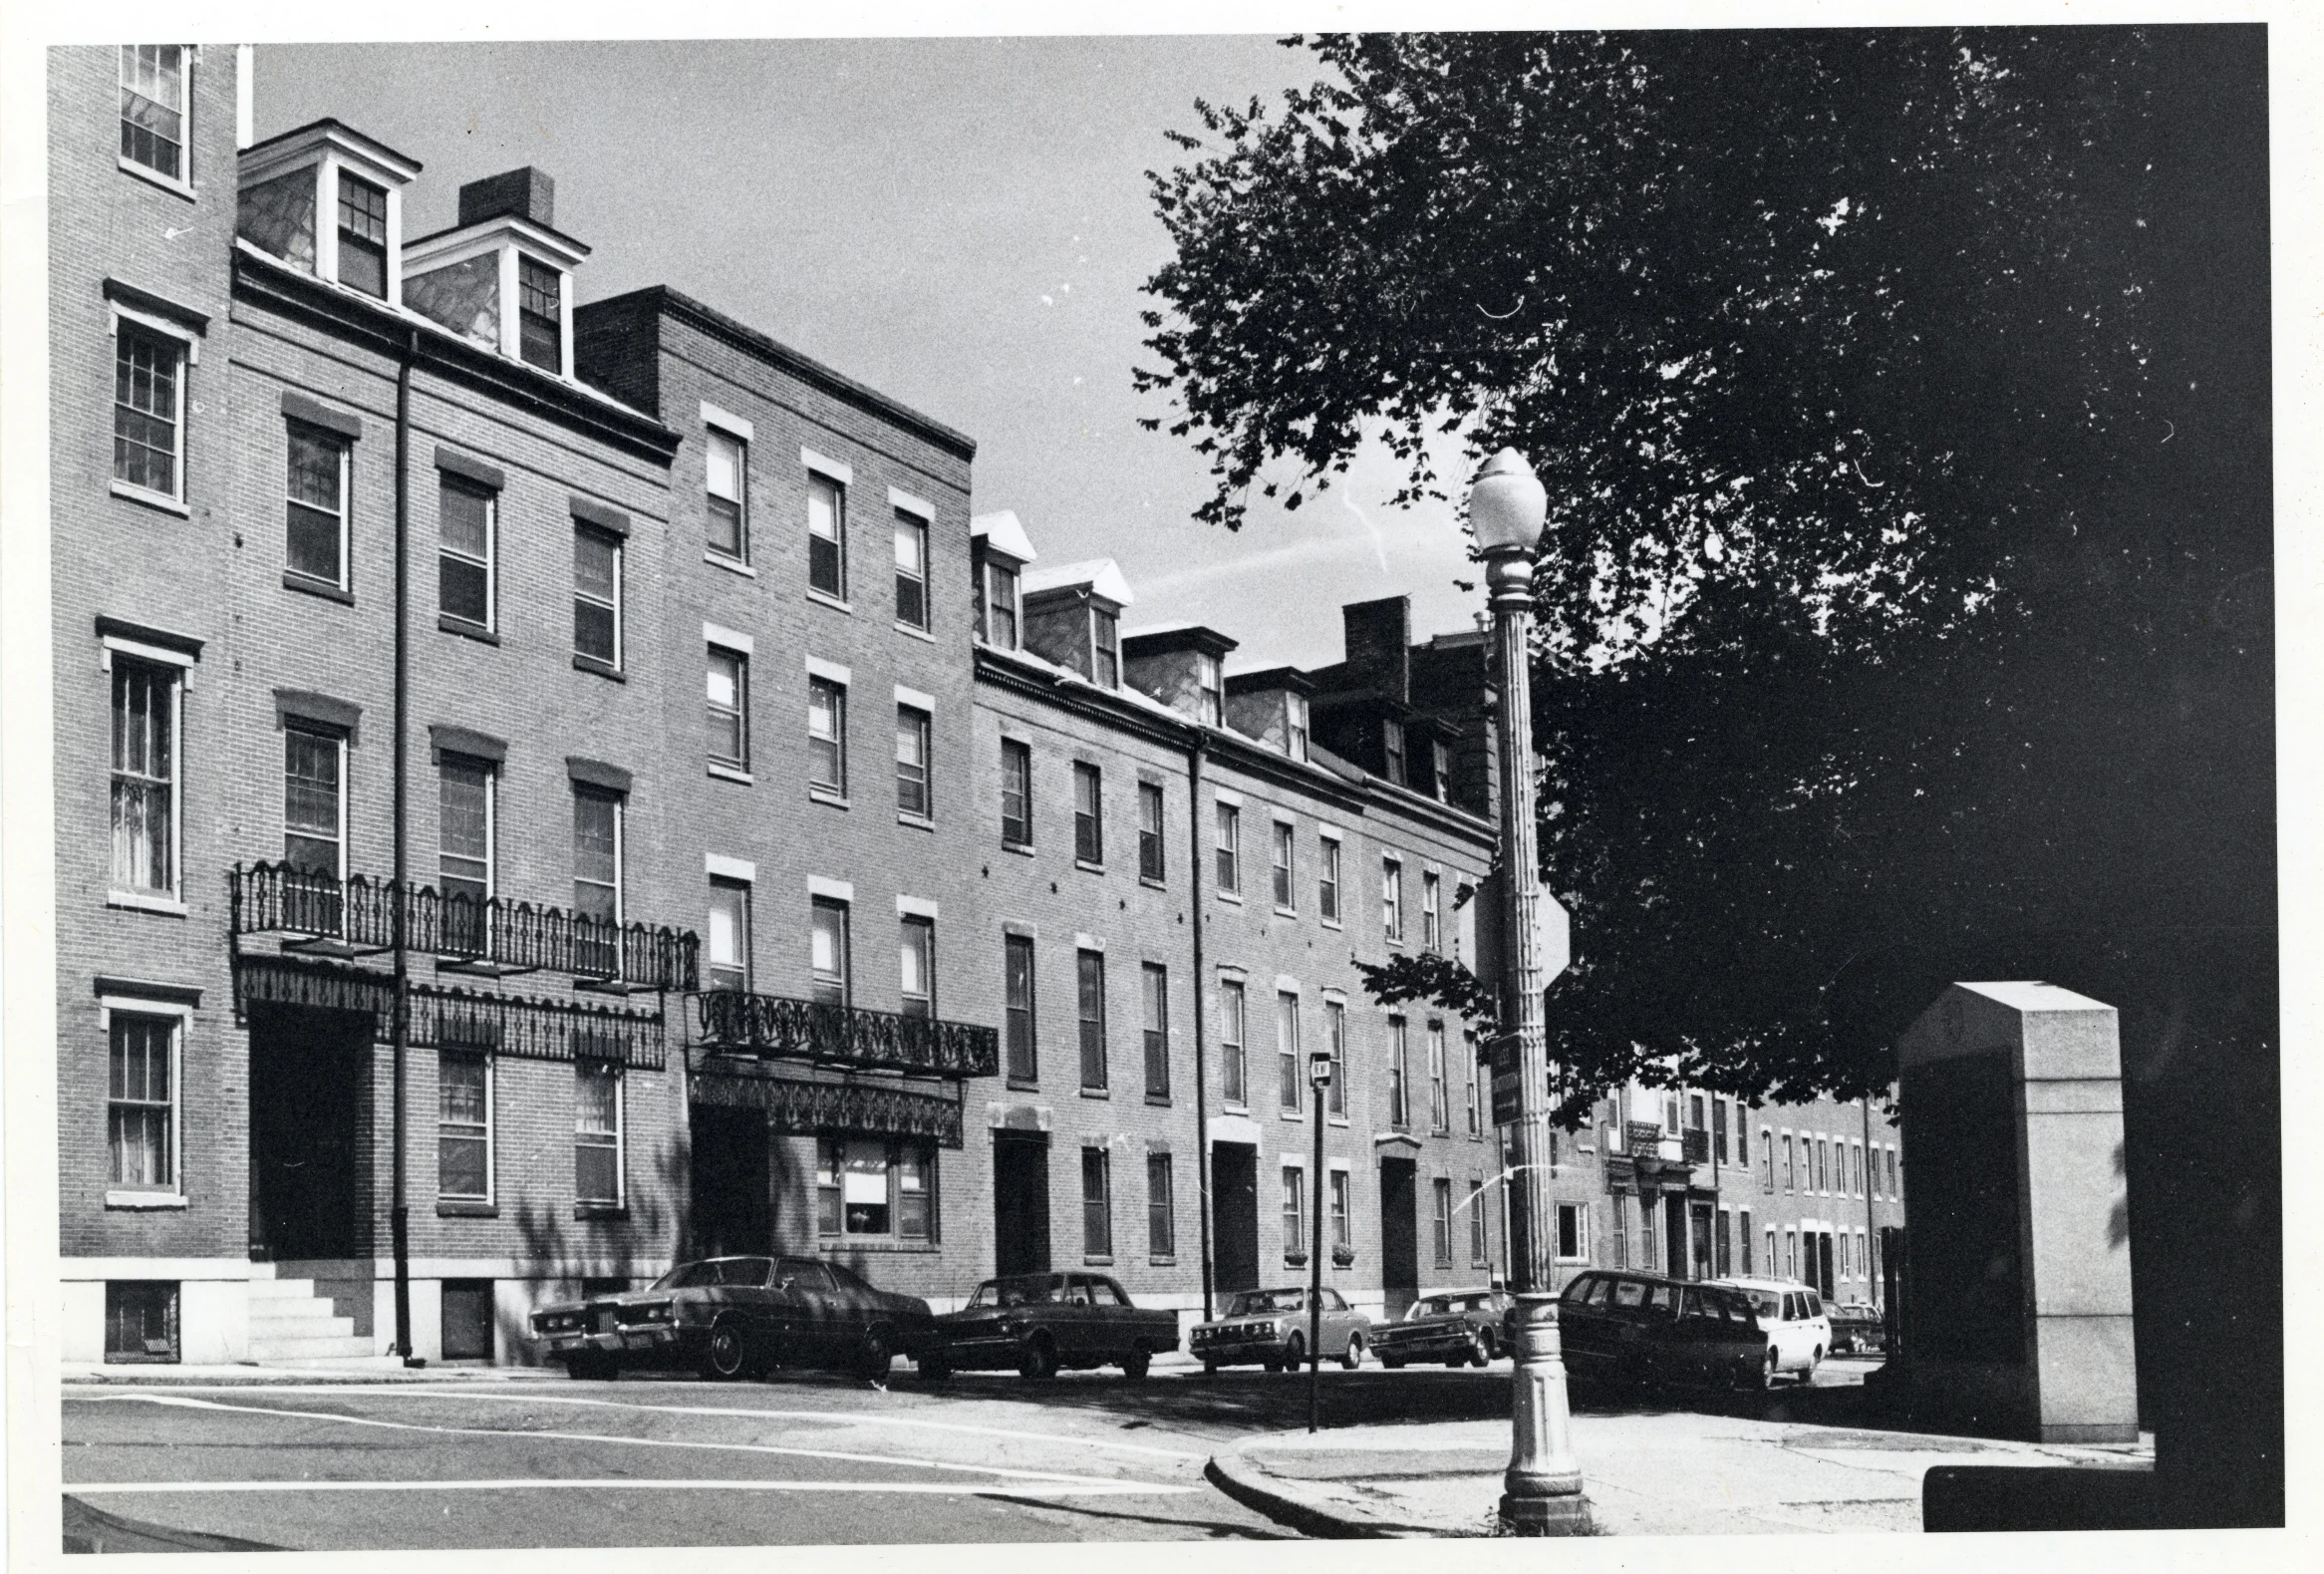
734	1210
1824	1280
468	1319
310	1104
1021	1202
1399	1235
1674	1241
1235	1215
1700	1238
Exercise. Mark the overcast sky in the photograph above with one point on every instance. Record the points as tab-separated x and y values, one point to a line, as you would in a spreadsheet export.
962	223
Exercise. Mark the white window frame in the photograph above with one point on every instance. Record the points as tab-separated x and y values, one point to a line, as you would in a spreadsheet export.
1581	1213
1227	845
491	1196
1296	1222
920	918
337	740
621	816
841	480
923	706
620	577
1109	622
921	516
491	822
1431	911
1283	866
490	562
190	55
1335	1099
1238	1040
170	899
721	880
828	792
714	649
1331	874
1439	1081
1211	684
715	429
189	355
1291	1063
1297	723
146	1005
1391	899
621	1138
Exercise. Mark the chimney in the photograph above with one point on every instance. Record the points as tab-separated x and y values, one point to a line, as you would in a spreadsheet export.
1380	644
525	193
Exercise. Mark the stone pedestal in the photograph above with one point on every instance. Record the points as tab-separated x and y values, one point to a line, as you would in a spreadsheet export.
2018	1311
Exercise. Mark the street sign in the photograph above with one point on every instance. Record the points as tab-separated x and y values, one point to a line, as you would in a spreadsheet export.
1552	935
1501	1056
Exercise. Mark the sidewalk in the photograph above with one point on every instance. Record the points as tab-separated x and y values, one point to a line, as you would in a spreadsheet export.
364	1369
1673	1473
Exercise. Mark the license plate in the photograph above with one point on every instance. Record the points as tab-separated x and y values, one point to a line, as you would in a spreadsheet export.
605	1321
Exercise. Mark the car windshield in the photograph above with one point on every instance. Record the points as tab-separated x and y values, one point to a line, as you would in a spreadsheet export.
1447	1305
1765	1303
1257	1303
688	1276
1039	1291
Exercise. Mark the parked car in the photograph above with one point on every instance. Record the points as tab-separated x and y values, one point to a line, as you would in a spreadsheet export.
1038	1323
1642	1328
1856	1328
729	1317
1456	1326
1799	1333
1270	1328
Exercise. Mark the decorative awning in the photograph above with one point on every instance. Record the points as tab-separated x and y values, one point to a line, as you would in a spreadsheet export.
446	1017
800	1107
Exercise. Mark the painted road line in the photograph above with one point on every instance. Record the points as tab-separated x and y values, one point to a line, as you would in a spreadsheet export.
623	1484
187	1401
863	1418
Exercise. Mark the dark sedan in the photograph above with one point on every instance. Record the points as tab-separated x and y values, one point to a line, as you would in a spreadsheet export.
1642	1328
1456	1326
729	1317
1039	1323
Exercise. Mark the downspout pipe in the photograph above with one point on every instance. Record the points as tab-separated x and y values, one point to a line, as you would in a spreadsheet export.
1202	1074
399	1029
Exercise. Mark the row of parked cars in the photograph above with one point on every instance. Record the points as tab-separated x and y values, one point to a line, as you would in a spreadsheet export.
746	1316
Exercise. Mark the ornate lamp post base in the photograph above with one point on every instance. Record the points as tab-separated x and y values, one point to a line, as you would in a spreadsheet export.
1543	1486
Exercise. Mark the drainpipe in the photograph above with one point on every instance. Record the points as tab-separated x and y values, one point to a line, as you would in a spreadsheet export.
1872	1230
399	1029
1202	1076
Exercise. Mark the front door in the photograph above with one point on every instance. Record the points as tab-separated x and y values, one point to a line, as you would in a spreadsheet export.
1399	1235
1674	1241
1021	1202
310	1088
1235	1215
1700	1223
732	1212
1824	1279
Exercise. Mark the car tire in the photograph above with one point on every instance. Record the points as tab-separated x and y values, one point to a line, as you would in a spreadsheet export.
1136	1363
1481	1349
1767	1369
875	1356
1352	1356
1294	1352
1038	1359
1210	1369
725	1357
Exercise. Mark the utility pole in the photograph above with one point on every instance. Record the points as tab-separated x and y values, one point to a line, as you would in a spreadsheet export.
1320	1075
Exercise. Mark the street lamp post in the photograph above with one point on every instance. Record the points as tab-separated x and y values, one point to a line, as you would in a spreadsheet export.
1542	1491
1319	1075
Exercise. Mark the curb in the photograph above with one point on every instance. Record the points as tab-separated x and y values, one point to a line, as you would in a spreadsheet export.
1255	1488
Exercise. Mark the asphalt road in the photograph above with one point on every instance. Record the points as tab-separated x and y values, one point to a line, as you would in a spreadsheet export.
646	1462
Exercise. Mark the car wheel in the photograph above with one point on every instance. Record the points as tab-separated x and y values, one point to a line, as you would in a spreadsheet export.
1134	1364
1352	1356
1808	1371
1480	1348
1767	1369
1210	1369
723	1359
1294	1352
1039	1360
875	1355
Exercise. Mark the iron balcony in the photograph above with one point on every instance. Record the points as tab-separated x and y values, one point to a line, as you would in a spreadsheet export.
356	915
734	1022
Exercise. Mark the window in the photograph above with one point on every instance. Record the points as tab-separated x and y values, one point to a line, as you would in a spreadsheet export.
1286	1050
1230	819
1855	1167
1743	1243
1016	792
1718	1130
145	777
1766	1159
1840	1268
463	1128
1774	1263
728	711
1822	1165
1154	982
1573	1232
1089	994
1431	913
1088	815
140	1116
1336	1040
464	792
913	728
827	736
363	237
1694	1112
597	596
313	820
1723	1245
316	531
997	607
466	515
1480	1244
1342	1225
1742	1144
1283	866
1791	1254
911	570
1441	1190
727	488
1161	1216
149	410
826	536
1480	1107
1210	690
1439	1094
1327	884
874	1188
1096	1202
1294	1212
154	78
727	958
541	316
916	951
1440	771
1150	832
597	1133
1233	1084
1017	978
1895	1187
1295	720
827	951
1391	899
1399	1109
597	854
1392	749
141	1320
1105	655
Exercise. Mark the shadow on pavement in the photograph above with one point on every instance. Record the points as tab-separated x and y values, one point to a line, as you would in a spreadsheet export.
94	1530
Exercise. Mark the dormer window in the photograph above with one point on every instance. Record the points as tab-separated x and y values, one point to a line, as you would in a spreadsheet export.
539	315
1440	780
1392	748
1295	726
328	201
363	237
502	276
1211	689
1105	648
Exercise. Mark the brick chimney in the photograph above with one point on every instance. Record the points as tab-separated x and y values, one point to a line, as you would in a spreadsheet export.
1380	644
525	193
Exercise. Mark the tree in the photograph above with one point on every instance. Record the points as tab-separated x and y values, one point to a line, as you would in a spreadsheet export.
1867	560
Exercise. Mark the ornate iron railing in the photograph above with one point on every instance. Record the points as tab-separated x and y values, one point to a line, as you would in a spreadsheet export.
360	911
737	1023
796	1107
1696	1146
1642	1140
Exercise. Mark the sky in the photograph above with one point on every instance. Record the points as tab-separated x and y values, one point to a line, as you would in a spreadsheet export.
962	223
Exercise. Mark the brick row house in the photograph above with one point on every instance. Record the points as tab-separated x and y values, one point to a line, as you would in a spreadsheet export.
609	737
